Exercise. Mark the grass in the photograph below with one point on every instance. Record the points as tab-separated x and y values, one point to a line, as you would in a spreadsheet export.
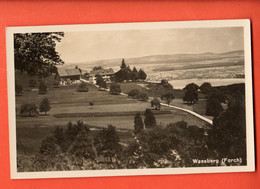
107	114
71	105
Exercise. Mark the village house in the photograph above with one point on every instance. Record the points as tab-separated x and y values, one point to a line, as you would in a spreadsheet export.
68	76
105	73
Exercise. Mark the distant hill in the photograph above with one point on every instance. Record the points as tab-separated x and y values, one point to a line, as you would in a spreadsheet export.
178	66
163	59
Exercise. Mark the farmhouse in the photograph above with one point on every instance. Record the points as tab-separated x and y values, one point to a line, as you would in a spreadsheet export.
67	76
105	73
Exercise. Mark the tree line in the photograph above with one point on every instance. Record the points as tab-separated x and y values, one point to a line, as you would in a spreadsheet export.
126	74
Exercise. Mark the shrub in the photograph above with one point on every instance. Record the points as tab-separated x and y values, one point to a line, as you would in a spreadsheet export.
107	142
115	88
156	102
134	93
143	97
166	84
168	97
83	87
91	104
29	110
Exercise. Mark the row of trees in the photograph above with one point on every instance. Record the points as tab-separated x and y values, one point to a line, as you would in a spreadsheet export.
19	88
149	121
126	74
31	109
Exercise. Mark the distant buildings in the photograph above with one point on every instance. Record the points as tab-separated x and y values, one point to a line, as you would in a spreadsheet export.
74	75
105	73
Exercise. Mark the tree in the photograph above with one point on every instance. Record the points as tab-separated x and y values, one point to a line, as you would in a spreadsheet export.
143	97
18	88
141	75
134	75
214	103
45	105
42	88
98	68
129	73
100	81
156	103
115	88
228	133
83	87
107	142
138	123
91	104
191	86
166	84
205	88
149	119
168	97
29	110
195	133
134	93
123	65
35	53
191	93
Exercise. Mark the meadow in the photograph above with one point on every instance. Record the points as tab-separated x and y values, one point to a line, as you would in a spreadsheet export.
67	104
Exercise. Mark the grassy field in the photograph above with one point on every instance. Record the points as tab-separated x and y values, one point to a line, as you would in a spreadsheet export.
72	105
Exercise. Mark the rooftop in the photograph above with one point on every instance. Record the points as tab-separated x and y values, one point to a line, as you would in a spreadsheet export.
68	72
109	71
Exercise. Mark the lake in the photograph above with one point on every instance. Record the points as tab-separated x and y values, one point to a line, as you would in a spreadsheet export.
180	84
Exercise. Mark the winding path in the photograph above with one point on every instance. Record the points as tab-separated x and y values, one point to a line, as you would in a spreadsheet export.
176	107
190	112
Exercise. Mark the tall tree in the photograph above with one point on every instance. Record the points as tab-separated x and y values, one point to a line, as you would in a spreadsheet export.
205	88
100	81
35	53
123	65
141	75
191	93
214	103
228	133
138	123
149	119
134	75
45	105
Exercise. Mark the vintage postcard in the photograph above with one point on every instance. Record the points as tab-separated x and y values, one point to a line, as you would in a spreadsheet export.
130	99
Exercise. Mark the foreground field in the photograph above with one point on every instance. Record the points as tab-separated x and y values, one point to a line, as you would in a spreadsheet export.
69	105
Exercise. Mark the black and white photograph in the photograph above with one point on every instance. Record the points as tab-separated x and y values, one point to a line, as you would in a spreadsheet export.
130	99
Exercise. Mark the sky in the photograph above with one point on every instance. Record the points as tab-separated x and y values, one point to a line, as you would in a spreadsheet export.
99	45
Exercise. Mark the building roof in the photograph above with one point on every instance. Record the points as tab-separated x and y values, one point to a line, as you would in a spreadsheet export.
68	72
109	71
